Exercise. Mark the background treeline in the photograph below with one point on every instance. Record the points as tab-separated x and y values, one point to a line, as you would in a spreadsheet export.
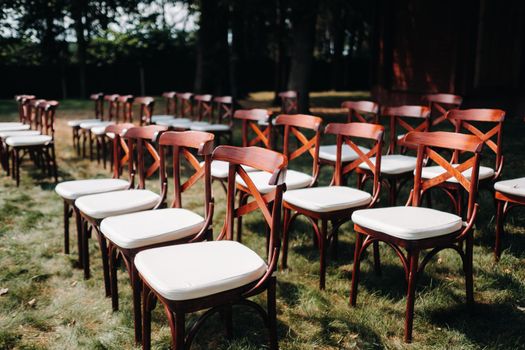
69	48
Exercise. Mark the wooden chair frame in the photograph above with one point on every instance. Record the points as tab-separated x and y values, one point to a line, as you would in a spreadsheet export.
264	160
171	102
345	134
22	101
203	107
180	144
439	105
184	100
289	102
461	240
504	203
146	105
223	111
87	136
98	101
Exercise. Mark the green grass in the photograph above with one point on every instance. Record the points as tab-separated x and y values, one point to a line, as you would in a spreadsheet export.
71	313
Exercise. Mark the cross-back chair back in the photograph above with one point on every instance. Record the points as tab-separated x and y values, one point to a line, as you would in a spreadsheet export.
252	132
204	107
361	111
293	125
185	104
181	145
98	102
171	102
22	101
289	102
119	146
112	101
124	109
404	119
145	105
467	120
223	109
33	114
140	141
46	110
440	104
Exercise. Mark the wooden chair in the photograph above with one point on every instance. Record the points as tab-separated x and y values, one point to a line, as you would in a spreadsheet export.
335	203
464	120
96	207
71	190
85	127
223	117
98	101
412	229
439	105
171	108
294	125
146	105
204	112
184	101
215	275
40	147
397	168
22	109
358	111
289	102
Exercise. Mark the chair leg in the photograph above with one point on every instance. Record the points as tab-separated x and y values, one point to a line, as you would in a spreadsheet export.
286	228
66	228
104	151
242	200
78	221
54	161
469	275
272	315
377	258
499	229
98	150
148	303
136	284
105	261
112	251
413	258
16	158
85	249
90	140
177	328
84	139
356	267
227	316
322	254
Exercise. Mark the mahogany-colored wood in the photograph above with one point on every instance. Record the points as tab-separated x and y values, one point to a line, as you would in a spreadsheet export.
362	111
184	100
204	107
171	102
176	311
346	134
504	203
461	241
289	102
98	101
146	105
180	145
87	136
223	114
440	104
22	101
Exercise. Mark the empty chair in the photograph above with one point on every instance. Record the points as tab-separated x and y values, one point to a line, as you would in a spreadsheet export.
71	190
335	204
204	113
86	126
98	100
96	207
289	102
439	105
221	119
358	111
215	275
412	230
146	105
184	101
171	107
129	234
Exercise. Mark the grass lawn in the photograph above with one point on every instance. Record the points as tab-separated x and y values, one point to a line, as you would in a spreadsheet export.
49	305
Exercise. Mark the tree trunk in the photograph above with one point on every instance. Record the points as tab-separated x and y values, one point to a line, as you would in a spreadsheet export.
303	19
280	64
338	38
77	12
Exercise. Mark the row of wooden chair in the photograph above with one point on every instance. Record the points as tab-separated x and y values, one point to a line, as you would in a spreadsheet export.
32	136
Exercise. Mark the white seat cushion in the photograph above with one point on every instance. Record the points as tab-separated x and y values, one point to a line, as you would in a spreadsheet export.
14	127
210	127
10	123
78	188
98	130
328	152
429	172
5	134
515	187
294	180
151	227
156	118
35	140
410	223
90	125
327	199
103	205
195	270
394	164
77	122
219	169
263	122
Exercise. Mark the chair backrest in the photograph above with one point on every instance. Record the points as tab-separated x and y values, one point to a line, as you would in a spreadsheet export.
427	143
181	145
289	102
493	118
124	109
346	134
98	101
141	139
185	105
404	119
112	106
171	102
146	105
223	109
440	104
120	147
23	101
250	119
293	123
264	160
34	114
46	111
362	111
203	107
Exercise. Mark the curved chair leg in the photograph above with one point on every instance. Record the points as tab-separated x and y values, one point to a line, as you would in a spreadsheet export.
148	304
112	251
413	258
66	227
356	267
499	229
469	278
322	254
78	221
377	258
272	315
85	249
105	261
177	328
136	284
285	233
